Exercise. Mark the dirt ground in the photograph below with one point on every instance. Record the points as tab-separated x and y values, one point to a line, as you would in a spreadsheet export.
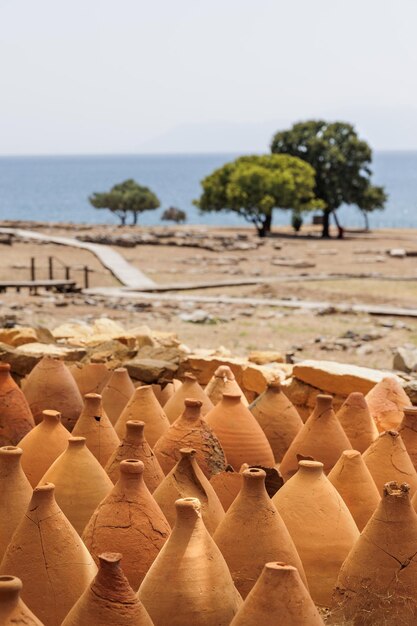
357	270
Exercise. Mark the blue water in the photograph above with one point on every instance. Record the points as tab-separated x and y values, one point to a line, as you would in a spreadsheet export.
57	188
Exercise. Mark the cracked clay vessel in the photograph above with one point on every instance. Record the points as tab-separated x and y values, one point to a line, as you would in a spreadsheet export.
191	430
322	438
189	389
13	611
43	445
278	597
189	582
93	424
50	385
110	600
357	422
80	482
91	377
377	582
16	419
253	533
386	402
240	435
278	418
223	381
320	525
117	393
135	446
15	491
186	480
49	557
129	521
144	406
408	432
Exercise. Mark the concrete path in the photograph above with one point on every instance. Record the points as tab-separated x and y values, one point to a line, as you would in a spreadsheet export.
125	273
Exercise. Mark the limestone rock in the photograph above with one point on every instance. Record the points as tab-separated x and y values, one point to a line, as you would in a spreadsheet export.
337	378
405	359
262	357
63	353
151	370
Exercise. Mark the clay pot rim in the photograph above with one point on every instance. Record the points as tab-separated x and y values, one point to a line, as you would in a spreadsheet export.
280	566
131	466
44	488
193	402
51	415
77	441
351	454
190	377
254	472
392	433
311	466
137	424
187	453
10	583
111	558
275	385
11	450
234	397
224	371
187	504
92	396
396	490
119	370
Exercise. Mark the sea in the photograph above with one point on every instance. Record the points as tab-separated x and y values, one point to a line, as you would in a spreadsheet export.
56	188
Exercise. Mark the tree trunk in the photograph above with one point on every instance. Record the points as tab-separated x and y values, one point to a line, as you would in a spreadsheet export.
134	218
122	218
340	229
325	233
366	218
265	226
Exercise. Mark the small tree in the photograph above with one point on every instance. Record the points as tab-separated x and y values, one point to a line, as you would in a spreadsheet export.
253	186
341	161
174	215
124	198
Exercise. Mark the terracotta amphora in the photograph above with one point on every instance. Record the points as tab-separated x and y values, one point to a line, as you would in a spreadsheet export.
322	438
191	430
386	402
189	582
95	426
387	459
164	393
240	435
223	381
252	533
355	484
278	418
15	493
13	611
144	406
357	422
117	393
320	525
80	482
47	554
135	446
186	480
110	600
50	385
408	432
189	389
130	521
278	597
227	485
42	445
377	581
16	419
90	377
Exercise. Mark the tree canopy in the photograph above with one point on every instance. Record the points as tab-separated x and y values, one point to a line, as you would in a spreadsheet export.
124	198
253	186
341	161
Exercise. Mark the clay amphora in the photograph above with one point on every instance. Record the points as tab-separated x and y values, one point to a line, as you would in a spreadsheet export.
278	597
49	557
80	482
189	582
42	445
191	430
252	533
135	446
189	389
278	418
110	600
355	484
95	426
50	385
145	407
223	381
377	582
357	422
408	432
227	485
163	394
130	521
386	402
13	611
117	393
320	525
16	419
240	435
387	459
186	480
322	438
15	494
91	377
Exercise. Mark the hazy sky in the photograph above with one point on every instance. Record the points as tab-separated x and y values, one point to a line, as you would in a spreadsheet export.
126	76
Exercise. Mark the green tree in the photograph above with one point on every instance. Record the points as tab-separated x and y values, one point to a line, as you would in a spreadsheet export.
124	198
253	186
342	164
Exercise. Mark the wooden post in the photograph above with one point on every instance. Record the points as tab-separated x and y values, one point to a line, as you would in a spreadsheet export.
50	267
67	272
86	281
32	268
